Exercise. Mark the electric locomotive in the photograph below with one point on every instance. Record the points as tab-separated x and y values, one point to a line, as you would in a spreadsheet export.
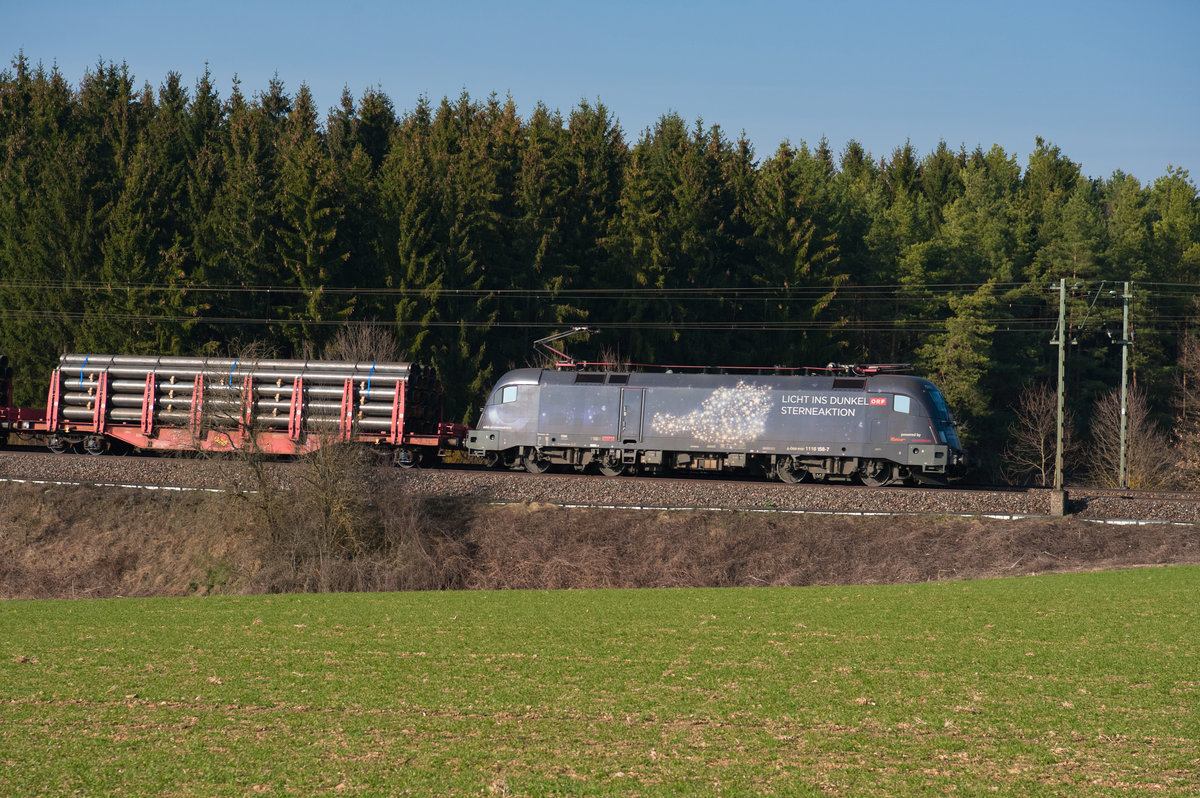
864	424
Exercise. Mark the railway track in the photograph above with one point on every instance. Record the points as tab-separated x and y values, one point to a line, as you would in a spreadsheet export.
665	493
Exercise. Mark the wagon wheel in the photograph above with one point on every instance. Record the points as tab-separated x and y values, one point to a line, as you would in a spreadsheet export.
57	445
535	464
788	470
95	445
406	458
611	465
877	474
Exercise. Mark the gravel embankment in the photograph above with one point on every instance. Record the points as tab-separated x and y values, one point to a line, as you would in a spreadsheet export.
567	489
719	494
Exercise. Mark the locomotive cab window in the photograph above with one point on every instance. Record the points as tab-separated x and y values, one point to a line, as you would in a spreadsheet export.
902	403
508	394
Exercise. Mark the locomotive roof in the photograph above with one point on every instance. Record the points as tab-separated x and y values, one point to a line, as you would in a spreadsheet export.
877	382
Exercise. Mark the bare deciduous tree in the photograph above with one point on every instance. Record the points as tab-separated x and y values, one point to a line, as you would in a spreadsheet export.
330	526
1149	461
363	343
1187	430
1033	437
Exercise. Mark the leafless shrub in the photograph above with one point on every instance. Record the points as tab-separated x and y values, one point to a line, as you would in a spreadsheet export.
332	529
1148	458
1029	456
1187	430
611	360
321	522
245	465
422	549
363	343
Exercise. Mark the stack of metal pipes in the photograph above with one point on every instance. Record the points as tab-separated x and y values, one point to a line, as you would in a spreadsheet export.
224	387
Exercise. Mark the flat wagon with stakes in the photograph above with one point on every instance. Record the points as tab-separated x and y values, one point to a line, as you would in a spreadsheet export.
286	407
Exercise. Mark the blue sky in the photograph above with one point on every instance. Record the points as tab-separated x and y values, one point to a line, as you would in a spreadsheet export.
1116	85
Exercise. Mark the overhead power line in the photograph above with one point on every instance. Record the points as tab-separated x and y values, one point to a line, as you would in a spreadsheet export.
1009	294
1026	310
722	292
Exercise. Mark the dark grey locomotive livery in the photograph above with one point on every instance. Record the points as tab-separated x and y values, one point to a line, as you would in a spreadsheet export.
882	429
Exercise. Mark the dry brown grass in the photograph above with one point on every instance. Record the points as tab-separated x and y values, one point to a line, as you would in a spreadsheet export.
76	542
542	547
88	542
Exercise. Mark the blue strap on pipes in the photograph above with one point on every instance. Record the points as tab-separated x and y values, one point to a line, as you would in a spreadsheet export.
82	368
231	368
369	375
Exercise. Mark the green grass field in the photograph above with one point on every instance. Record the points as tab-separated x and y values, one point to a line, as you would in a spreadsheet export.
1038	686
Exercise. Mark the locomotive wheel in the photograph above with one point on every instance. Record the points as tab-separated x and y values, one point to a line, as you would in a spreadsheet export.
611	467
788	471
878	474
536	465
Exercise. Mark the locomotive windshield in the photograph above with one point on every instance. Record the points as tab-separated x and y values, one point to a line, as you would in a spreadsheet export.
939	404
942	418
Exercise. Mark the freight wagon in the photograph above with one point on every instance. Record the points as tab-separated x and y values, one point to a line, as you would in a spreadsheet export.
96	402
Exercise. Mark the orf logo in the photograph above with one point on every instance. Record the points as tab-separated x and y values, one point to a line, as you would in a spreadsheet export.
879	400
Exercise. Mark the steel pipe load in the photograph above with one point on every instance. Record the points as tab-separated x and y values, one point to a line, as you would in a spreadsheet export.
236	377
167	363
233	370
375	393
182	402
128	416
